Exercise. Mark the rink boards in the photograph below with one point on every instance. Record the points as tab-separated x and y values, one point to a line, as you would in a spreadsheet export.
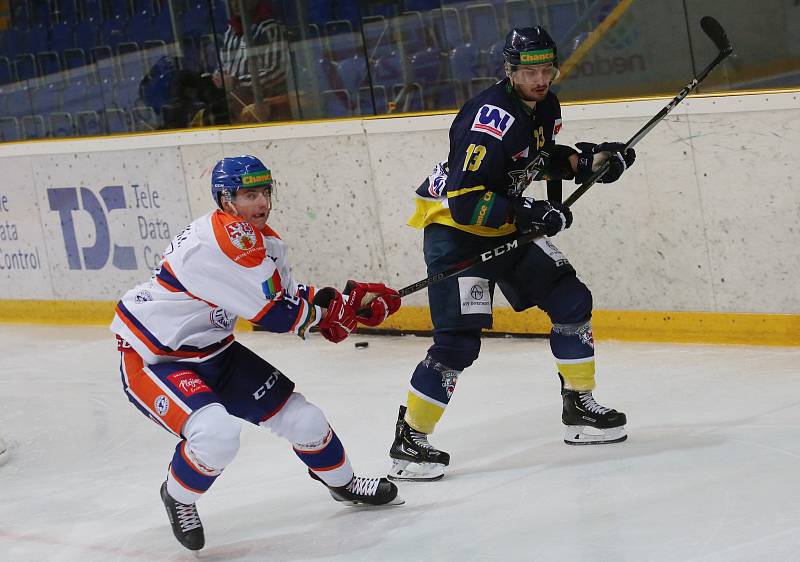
697	242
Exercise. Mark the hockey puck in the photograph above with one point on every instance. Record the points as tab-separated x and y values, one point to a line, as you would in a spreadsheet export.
361	344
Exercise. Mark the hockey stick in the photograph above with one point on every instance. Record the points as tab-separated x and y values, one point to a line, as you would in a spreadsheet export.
714	30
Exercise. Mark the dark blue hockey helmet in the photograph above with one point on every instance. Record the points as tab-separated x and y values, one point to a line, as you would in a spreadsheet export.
232	174
530	45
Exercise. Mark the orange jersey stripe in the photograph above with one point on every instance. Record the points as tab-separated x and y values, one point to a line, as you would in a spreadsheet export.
141	384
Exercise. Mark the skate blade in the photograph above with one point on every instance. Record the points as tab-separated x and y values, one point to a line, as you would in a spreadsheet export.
588	435
396	501
407	471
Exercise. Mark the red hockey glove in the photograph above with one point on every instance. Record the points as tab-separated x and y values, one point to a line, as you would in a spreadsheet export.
339	319
384	301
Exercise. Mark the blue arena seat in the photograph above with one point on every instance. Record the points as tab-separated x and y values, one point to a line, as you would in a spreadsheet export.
377	36
14	42
60	124
140	26
442	94
88	124
115	31
477	85
351	73
74	58
336	103
465	62
49	63
6	71
494	59
131	64
561	17
143	118
412	32
408	97
118	8
25	67
521	13
9	129
92	10
342	42
365	101
447	29
87	34
162	28
116	121
387	71
37	39
426	66
194	20
421	5
33	127
483	27
61	37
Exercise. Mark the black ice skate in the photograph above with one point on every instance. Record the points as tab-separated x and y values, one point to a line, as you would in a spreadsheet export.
413	458
589	423
362	491
184	520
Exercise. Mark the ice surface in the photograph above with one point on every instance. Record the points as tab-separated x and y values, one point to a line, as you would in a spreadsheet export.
709	472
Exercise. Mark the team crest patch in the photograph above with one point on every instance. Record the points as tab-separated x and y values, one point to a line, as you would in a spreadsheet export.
188	383
241	234
161	405
556	127
219	318
449	380
492	120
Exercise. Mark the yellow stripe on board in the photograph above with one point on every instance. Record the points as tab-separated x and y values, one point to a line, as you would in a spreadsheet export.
633	325
626	325
91	313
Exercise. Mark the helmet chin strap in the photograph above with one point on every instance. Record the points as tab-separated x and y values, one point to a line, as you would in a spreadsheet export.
226	198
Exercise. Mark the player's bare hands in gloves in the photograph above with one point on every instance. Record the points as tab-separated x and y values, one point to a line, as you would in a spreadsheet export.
592	157
551	217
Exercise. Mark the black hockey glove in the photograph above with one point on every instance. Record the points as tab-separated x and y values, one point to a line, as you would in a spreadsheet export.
550	216
592	156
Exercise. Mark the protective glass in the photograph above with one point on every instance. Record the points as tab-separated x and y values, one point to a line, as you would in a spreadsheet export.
533	74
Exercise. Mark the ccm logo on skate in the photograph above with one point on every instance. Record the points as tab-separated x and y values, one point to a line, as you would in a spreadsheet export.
508	246
188	383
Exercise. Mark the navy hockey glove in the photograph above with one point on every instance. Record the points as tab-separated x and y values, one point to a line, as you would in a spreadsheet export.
592	157
551	217
339	319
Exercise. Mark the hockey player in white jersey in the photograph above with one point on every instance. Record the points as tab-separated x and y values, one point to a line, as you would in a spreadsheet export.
182	368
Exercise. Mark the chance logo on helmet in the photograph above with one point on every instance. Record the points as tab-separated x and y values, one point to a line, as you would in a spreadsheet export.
237	172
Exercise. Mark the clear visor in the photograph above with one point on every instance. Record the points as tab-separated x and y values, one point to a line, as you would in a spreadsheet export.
532	74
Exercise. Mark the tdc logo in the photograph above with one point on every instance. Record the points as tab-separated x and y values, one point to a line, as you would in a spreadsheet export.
65	201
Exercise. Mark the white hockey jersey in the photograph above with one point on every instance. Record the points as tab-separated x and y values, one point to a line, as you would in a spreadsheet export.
216	269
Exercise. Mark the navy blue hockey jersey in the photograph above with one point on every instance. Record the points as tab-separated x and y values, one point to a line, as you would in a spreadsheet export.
498	146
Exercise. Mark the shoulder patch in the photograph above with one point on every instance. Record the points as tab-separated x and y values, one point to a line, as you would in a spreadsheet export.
492	120
556	127
238	240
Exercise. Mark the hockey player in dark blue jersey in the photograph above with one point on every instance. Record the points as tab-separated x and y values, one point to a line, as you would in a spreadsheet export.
501	140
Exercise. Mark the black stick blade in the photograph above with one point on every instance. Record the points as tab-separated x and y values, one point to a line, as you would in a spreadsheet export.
715	32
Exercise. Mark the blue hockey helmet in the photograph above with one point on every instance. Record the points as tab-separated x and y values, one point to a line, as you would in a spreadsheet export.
530	45
232	174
